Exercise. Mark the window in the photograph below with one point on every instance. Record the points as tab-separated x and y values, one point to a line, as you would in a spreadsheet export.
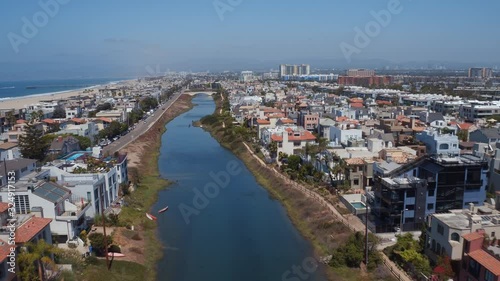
474	268
440	229
410	207
488	276
356	182
430	206
455	237
492	234
22	203
89	196
430	192
410	193
444	146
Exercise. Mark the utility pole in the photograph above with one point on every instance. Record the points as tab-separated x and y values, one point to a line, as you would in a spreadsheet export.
104	228
366	230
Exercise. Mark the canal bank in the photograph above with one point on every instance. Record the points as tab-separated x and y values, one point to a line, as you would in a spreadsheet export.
222	224
313	219
142	245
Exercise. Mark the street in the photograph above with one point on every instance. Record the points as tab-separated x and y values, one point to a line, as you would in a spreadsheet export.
141	127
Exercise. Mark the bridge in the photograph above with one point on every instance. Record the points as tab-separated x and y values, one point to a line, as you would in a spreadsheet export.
193	93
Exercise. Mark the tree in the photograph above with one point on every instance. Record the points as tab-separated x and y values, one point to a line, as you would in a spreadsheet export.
273	148
36	257
59	112
97	242
445	271
31	145
463	135
10	118
294	162
446	131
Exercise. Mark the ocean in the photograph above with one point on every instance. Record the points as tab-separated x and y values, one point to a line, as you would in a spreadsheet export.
27	88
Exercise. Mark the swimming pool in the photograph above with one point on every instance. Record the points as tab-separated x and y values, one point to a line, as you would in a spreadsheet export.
358	205
74	156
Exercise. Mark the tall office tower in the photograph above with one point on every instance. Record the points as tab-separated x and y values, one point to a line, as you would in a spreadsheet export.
480	72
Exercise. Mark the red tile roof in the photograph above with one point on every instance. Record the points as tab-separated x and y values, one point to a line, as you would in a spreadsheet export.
49	121
107	120
473	236
4	207
78	120
263	122
486	260
30	229
275	115
276	138
286	121
357	105
4	250
464	126
20	121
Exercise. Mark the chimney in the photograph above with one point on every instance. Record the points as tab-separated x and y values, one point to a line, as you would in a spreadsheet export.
59	139
471	207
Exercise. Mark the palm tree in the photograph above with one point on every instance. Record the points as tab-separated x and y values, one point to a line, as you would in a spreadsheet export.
10	119
34	116
38	254
273	148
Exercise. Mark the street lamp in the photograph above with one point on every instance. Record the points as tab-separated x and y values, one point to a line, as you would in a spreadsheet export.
401	223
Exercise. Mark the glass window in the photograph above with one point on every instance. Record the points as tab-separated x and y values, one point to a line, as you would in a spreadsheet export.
430	206
488	276
430	192
455	237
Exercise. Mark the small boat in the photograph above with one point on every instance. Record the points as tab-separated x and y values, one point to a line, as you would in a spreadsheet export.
116	255
189	126
163	210
151	217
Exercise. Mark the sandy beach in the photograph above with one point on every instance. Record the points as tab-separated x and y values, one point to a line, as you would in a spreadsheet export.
23	101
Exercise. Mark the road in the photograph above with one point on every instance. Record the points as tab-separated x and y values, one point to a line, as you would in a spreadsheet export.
141	127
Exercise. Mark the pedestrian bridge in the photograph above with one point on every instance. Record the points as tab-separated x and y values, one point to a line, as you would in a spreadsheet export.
193	93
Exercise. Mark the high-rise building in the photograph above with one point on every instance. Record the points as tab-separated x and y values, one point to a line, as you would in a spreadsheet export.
480	72
360	72
246	76
294	70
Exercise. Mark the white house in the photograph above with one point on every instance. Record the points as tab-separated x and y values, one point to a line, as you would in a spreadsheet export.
344	132
9	151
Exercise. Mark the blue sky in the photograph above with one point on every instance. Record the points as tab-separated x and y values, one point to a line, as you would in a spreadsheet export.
115	35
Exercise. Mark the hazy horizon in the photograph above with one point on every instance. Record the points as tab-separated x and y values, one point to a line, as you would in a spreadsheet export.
68	39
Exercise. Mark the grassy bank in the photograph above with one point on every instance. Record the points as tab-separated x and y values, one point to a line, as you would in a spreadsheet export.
314	221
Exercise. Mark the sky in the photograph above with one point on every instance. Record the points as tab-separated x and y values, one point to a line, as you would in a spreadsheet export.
71	38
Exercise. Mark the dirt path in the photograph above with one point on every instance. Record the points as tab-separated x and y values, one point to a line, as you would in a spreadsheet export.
350	221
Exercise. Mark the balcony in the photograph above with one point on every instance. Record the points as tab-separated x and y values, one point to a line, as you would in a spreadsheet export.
75	207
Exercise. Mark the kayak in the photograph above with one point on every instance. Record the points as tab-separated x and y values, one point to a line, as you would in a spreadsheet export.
163	210
151	217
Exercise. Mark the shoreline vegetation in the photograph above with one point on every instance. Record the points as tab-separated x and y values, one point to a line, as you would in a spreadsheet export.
312	219
135	235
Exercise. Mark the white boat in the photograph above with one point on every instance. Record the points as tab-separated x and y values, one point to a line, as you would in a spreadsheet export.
163	210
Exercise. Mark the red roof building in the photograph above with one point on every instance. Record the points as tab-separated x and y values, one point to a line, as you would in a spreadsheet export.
34	229
480	259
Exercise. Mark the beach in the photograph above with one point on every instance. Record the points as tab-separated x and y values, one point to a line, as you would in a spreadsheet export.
23	101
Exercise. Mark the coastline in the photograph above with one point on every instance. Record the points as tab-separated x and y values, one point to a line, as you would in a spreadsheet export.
20	101
148	183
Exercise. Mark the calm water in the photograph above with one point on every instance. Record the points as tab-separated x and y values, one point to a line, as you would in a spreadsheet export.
242	234
18	88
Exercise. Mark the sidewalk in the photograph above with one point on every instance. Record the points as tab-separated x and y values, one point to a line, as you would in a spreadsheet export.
350	221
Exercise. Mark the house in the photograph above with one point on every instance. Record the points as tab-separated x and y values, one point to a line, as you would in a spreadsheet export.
485	135
408	194
34	229
66	210
73	112
20	167
445	231
344	132
480	260
64	145
9	151
292	141
440	144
